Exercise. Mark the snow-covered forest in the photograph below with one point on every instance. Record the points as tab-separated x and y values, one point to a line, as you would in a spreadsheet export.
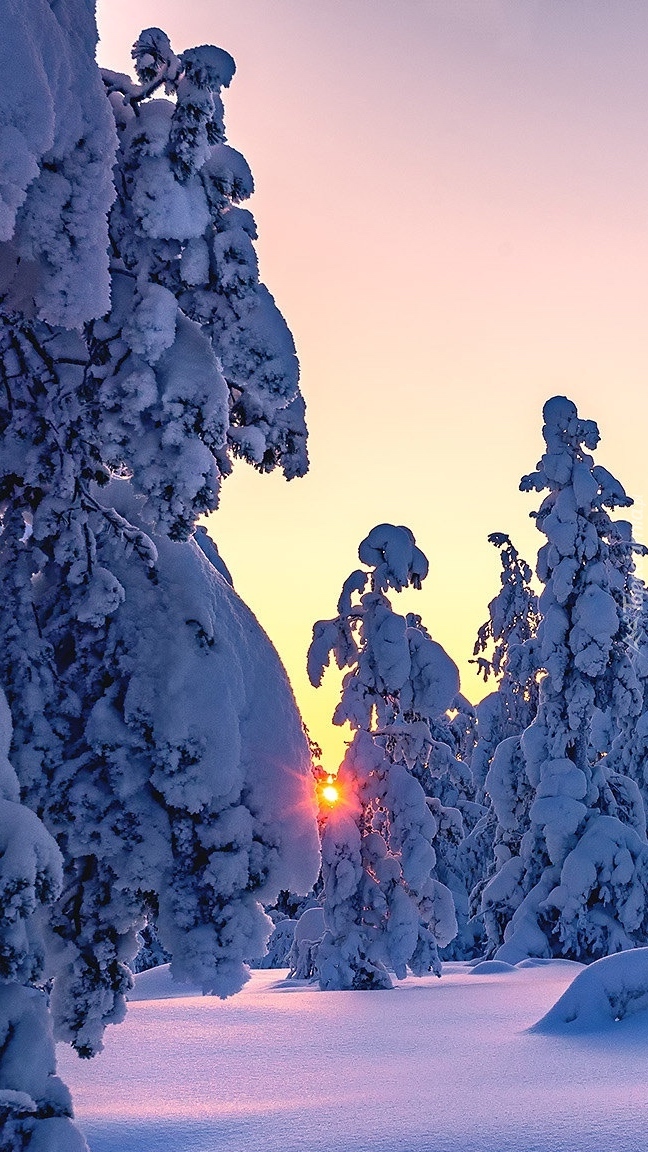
168	831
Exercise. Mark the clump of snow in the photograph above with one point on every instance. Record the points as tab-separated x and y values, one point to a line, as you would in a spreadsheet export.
35	1106
393	554
57	145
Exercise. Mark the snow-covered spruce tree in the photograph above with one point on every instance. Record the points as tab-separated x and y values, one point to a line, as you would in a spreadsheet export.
457	727
150	952
506	648
508	638
444	773
579	886
193	775
57	144
448	784
35	1107
155	732
628	753
185	288
383	907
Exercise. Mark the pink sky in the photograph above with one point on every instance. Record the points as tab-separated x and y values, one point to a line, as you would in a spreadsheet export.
452	201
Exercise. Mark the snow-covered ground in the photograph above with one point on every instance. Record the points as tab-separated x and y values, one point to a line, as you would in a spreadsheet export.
436	1065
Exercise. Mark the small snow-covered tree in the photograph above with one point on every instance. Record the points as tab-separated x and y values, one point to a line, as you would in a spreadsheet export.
150	952
448	784
579	886
628	751
155	733
509	637
506	648
384	909
457	727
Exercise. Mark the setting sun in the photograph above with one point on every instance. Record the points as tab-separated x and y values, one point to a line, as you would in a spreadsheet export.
330	793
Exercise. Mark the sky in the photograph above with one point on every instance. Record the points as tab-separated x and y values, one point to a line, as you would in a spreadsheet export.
452	204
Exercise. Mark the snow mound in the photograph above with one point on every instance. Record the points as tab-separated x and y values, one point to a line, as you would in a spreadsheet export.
544	962
606	992
491	968
501	967
158	984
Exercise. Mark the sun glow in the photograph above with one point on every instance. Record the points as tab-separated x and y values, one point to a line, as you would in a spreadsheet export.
328	790
330	793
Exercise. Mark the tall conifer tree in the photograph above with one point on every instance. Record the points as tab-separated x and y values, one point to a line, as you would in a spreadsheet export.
579	886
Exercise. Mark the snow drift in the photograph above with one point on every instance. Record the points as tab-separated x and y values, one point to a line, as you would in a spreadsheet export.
610	990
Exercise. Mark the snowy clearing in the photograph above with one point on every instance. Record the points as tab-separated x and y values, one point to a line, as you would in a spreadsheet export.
432	1066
